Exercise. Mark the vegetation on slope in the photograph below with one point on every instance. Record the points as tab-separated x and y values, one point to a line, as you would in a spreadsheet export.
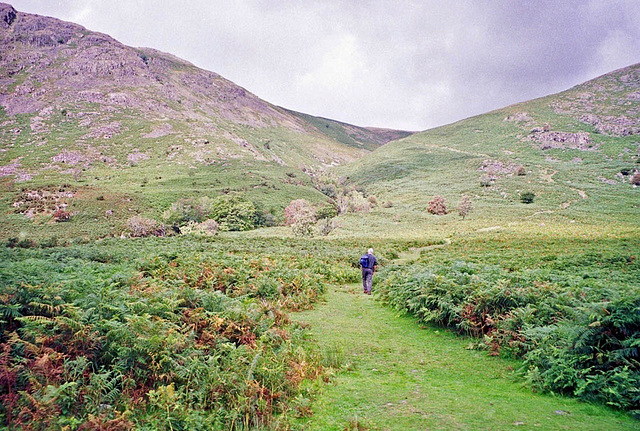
142	129
570	308
161	333
577	172
170	325
359	137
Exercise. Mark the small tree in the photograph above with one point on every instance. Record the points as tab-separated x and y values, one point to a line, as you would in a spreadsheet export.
301	216
527	197
437	205
232	212
141	227
465	206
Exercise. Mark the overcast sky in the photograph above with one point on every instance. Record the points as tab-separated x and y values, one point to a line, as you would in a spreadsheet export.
401	64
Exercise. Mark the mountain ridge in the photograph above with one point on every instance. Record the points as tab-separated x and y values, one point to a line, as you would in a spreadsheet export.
54	65
108	131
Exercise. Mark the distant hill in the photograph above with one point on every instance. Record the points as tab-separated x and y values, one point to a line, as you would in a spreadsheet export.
368	138
577	151
143	127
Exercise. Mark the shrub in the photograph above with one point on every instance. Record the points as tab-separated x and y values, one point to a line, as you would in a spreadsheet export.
520	171
373	201
61	215
576	335
325	226
487	180
465	206
206	228
21	243
231	212
171	335
328	190
185	210
49	243
143	227
527	197
301	216
635	179
209	227
437	205
358	203
326	212
269	220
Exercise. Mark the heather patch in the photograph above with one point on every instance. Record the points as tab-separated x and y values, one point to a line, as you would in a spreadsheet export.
45	201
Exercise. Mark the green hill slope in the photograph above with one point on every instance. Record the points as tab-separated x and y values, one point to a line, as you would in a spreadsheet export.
577	151
368	138
106	131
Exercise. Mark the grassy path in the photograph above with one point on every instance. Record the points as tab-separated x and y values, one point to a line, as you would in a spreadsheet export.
404	377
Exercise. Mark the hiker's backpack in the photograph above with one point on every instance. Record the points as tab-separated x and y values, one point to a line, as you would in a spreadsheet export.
364	261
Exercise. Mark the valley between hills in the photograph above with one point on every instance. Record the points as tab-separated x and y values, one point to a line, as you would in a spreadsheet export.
179	254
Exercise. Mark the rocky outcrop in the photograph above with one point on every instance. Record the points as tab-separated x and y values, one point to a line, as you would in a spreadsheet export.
496	167
560	140
612	125
64	64
608	103
7	15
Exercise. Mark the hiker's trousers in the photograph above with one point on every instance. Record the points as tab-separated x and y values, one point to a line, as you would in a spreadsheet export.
367	279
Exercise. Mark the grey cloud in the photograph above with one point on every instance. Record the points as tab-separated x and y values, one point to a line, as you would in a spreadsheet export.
403	64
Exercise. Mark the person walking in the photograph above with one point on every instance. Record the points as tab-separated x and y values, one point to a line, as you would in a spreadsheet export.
368	262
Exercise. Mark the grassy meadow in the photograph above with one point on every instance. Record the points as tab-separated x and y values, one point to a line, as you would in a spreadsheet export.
204	333
518	303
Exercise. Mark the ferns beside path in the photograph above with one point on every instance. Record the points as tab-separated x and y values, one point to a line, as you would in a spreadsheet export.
160	333
575	322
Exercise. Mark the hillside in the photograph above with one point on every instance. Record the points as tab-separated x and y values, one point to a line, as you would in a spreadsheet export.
141	129
368	138
577	151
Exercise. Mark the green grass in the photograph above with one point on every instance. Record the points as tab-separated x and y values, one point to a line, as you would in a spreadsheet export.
396	374
401	376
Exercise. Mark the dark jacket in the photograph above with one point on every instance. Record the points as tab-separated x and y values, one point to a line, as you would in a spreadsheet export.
373	262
